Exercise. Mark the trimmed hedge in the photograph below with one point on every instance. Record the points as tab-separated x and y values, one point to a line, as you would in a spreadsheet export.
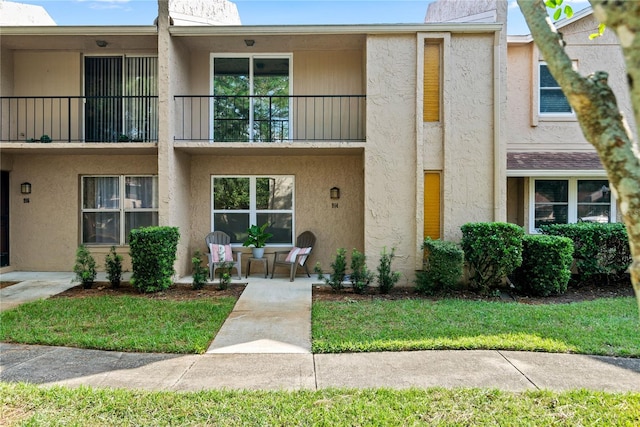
546	265
442	266
493	250
599	249
153	252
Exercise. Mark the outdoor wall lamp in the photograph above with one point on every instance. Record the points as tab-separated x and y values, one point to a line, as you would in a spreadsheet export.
25	188
101	43
335	193
249	42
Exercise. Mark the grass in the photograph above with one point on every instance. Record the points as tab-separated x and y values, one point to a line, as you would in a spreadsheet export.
23	404
602	327
121	323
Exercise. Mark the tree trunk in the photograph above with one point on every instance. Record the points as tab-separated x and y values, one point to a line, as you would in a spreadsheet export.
596	108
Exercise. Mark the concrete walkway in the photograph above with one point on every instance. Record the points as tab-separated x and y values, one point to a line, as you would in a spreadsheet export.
266	342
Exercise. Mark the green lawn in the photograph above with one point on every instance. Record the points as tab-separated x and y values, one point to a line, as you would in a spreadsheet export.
31	405
603	327
120	323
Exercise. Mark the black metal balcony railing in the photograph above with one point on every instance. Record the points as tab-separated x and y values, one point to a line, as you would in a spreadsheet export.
270	118
79	118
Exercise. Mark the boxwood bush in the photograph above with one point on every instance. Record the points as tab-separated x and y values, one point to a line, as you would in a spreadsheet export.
442	266
600	250
153	252
493	250
546	265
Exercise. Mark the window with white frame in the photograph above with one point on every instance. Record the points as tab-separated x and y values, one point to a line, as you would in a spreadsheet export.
114	205
552	100
240	201
569	200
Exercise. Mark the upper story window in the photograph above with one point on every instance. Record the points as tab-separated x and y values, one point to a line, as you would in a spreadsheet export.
112	206
562	201
432	65
552	100
241	201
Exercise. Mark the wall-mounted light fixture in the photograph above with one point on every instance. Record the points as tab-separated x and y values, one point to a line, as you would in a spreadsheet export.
249	42
25	188
335	193
101	43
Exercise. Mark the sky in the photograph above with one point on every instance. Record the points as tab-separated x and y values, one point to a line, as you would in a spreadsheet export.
266	12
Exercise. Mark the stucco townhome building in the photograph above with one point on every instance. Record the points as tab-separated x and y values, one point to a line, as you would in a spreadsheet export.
207	124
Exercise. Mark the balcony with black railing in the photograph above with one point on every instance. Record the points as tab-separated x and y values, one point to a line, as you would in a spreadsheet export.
339	118
79	119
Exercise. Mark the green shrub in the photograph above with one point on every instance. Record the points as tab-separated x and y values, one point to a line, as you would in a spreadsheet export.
224	273
85	267
387	278
442	266
339	268
199	272
153	252
113	266
360	277
493	250
599	249
546	265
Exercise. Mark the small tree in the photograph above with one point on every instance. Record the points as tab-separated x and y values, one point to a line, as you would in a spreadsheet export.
360	277
199	271
113	266
85	267
387	278
339	267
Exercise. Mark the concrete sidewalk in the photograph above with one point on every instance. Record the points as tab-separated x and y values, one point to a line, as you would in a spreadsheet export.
266	344
505	370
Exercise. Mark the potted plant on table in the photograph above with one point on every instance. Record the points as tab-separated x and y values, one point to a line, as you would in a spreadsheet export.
257	238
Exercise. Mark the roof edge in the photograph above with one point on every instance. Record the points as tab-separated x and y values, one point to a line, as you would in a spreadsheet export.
230	30
60	30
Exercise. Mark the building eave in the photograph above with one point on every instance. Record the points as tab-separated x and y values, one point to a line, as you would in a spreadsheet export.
257	30
104	30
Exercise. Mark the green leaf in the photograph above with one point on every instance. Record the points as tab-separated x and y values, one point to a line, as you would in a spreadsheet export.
600	32
551	4
557	14
568	11
559	3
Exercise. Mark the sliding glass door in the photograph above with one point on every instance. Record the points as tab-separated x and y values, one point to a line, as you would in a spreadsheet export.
251	99
121	98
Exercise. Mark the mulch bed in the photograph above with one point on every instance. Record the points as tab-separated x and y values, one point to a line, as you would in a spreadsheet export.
181	292
573	294
177	292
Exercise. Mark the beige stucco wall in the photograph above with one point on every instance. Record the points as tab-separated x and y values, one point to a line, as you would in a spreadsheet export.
45	231
6	72
530	132
174	167
334	227
468	188
390	154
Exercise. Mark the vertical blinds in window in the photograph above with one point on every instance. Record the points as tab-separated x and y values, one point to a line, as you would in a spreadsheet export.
141	113
431	100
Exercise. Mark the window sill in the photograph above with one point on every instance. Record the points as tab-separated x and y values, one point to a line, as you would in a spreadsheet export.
557	118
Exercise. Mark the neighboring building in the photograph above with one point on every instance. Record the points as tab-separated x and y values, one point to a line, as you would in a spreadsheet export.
218	127
553	173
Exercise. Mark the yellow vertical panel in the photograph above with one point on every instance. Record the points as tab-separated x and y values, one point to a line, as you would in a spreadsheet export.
431	98
432	205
